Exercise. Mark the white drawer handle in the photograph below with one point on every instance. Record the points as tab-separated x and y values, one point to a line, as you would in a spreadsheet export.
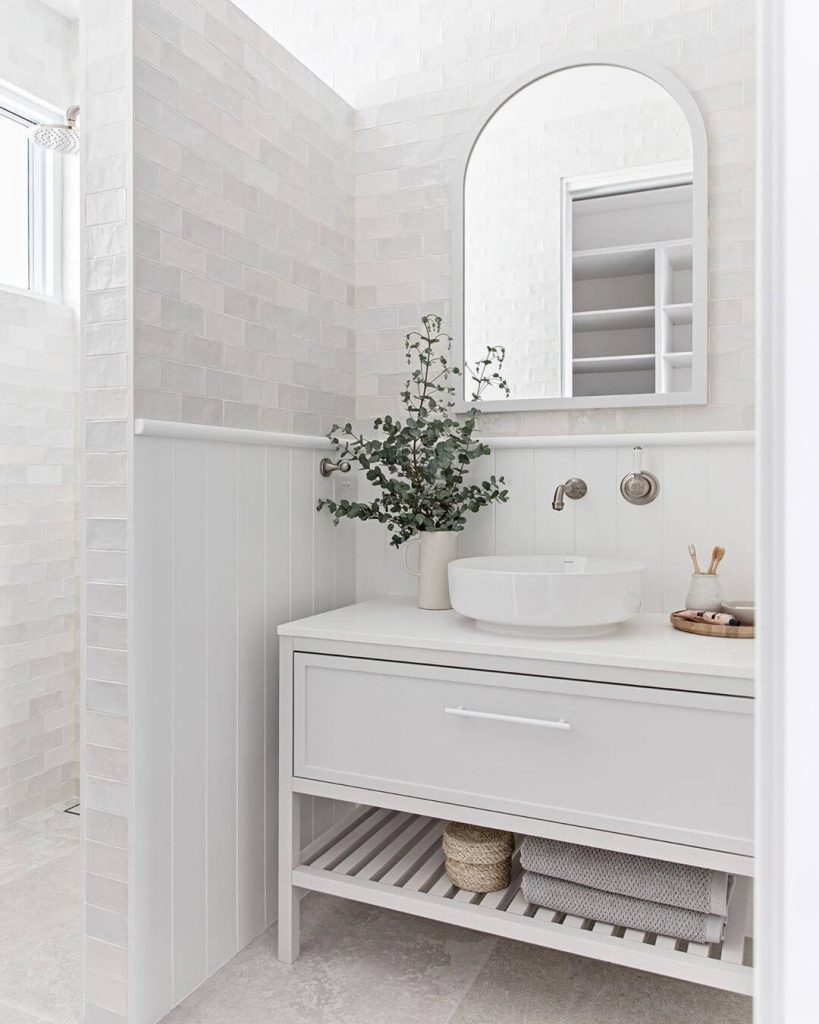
544	723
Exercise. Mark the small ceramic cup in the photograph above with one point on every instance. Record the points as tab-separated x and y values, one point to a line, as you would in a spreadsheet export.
705	593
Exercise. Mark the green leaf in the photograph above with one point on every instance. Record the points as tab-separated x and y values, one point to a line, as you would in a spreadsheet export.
419	465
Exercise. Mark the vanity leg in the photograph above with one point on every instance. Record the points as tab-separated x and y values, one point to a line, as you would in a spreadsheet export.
289	850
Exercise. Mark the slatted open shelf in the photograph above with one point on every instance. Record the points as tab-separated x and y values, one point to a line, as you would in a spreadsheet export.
394	859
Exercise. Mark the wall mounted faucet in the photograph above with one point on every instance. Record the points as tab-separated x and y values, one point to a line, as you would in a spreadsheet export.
573	488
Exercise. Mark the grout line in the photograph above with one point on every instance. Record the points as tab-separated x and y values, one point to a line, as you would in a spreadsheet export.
493	946
23	1009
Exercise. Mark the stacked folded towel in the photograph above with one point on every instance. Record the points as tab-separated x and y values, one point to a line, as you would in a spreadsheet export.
622	889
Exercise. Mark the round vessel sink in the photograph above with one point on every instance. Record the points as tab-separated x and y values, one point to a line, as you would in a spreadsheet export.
546	595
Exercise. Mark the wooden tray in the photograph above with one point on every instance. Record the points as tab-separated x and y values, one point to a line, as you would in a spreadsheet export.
711	628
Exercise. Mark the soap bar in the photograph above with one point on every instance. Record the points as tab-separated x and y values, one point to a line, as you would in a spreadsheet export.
718	617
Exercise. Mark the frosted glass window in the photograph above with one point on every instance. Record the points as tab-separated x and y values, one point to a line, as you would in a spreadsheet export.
14	208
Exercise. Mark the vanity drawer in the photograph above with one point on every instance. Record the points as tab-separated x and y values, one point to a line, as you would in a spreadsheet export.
662	764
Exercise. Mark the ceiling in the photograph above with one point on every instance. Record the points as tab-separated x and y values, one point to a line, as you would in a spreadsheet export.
68	8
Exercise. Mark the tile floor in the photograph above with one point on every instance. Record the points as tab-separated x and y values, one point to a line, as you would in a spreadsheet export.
359	965
40	941
363	965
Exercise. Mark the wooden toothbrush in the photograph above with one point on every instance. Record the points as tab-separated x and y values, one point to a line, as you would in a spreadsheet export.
716	557
692	551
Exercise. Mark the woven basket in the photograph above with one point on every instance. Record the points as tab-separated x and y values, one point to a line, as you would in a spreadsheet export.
478	859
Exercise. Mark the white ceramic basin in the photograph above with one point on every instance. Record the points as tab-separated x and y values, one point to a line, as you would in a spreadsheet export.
546	595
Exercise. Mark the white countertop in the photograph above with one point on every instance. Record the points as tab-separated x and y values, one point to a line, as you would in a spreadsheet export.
646	642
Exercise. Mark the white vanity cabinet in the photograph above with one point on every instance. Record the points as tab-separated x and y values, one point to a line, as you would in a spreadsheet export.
640	741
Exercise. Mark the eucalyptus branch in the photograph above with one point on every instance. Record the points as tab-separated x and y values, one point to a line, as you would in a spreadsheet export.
420	465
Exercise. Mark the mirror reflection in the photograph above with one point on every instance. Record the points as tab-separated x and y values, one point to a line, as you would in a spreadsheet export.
577	247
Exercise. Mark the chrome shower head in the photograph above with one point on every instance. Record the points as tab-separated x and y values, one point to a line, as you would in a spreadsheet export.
60	138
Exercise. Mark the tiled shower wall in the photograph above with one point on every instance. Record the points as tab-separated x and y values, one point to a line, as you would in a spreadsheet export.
38	51
244	226
107	439
418	73
38	556
38	478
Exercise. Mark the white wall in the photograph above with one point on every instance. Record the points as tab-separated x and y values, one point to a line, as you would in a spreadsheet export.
788	698
417	72
706	498
38	456
228	545
244	227
38	549
106	346
243	288
38	51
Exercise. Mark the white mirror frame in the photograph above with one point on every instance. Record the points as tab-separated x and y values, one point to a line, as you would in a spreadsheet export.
698	395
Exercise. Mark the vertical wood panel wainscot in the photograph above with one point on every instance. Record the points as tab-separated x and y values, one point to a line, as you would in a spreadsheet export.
227	545
706	497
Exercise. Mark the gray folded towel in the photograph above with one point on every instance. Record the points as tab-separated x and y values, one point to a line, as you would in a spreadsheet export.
677	885
627	911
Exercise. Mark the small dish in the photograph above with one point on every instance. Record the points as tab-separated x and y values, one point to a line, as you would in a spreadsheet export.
742	610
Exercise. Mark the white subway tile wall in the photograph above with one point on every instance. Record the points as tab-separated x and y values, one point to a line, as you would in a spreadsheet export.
107	420
38	493
38	556
243	211
38	51
418	71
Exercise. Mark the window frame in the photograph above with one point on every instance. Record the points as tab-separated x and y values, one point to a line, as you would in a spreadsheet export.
45	179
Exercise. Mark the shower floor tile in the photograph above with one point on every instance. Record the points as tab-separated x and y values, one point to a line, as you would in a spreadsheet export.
40	942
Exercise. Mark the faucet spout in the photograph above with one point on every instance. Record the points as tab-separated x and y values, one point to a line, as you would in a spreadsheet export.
573	488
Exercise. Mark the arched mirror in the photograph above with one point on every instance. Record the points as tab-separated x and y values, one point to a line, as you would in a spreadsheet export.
581	241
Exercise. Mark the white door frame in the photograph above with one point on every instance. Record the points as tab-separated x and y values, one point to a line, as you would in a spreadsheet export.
787	763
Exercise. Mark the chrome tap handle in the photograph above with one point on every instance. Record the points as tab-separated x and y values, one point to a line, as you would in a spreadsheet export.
639	487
